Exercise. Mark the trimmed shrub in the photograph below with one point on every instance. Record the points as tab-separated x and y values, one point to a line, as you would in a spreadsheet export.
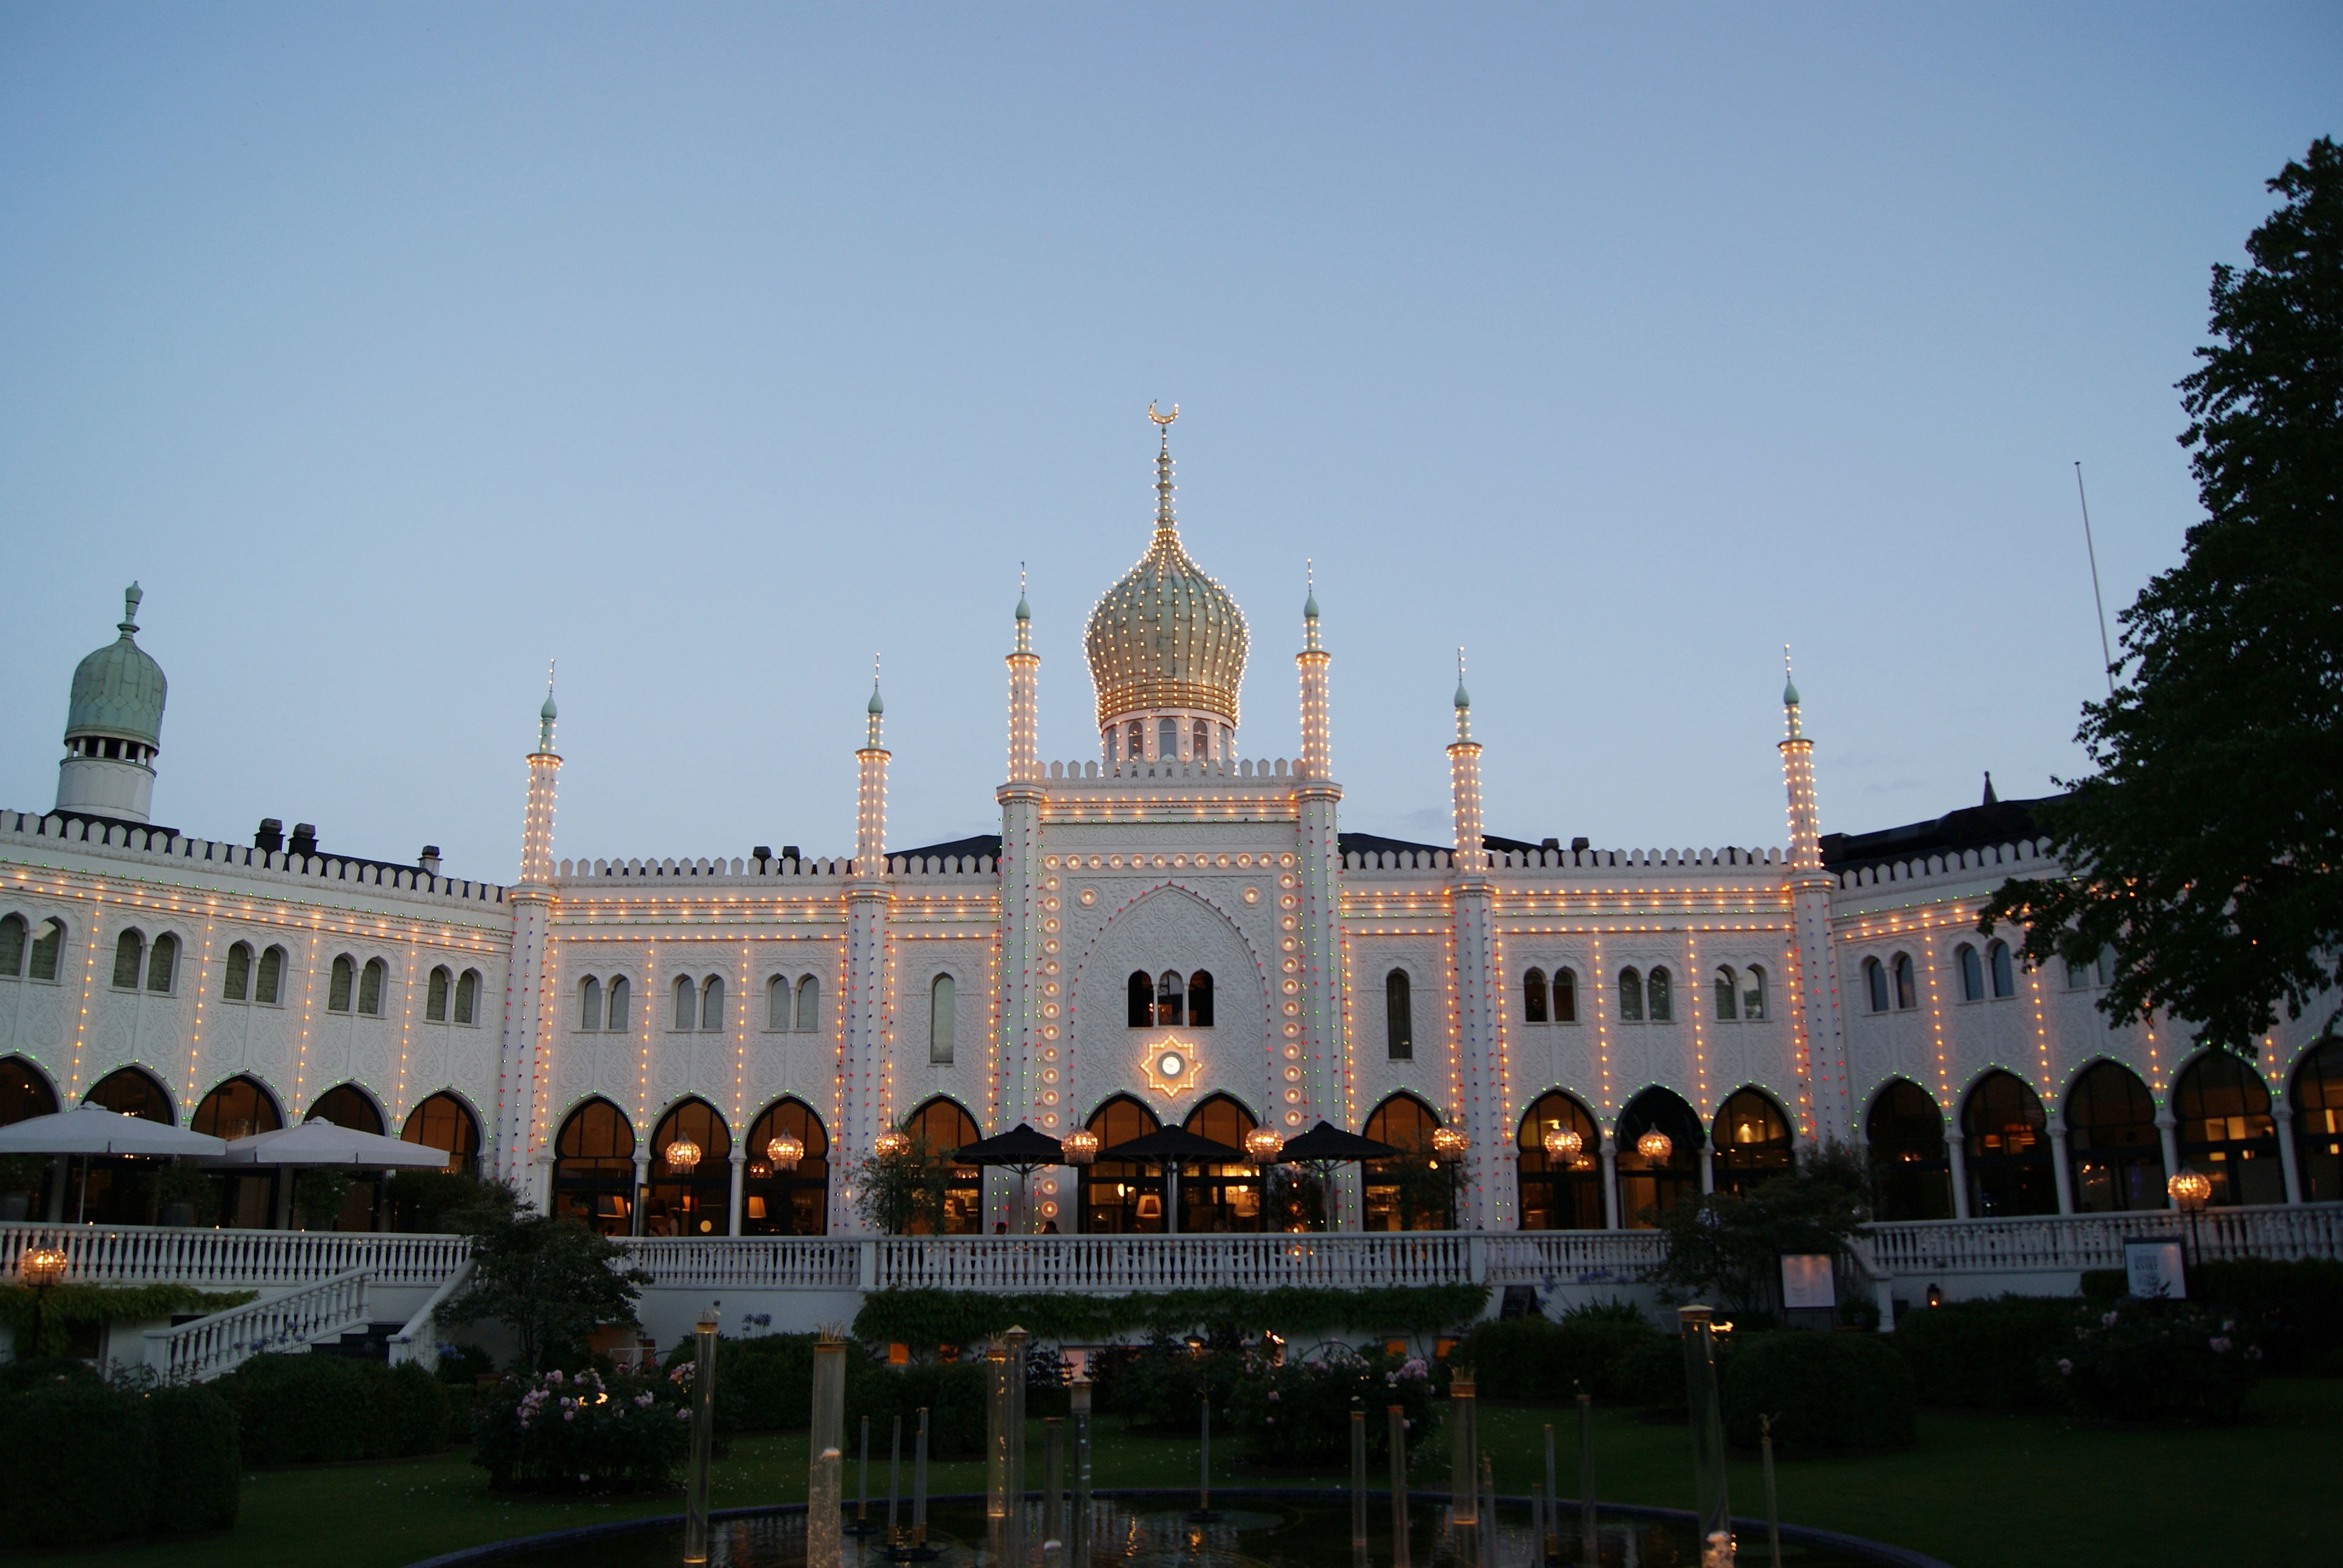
1300	1414
555	1432
303	1409
2146	1360
1825	1391
1532	1359
1984	1353
198	1470
76	1465
954	1393
1161	1386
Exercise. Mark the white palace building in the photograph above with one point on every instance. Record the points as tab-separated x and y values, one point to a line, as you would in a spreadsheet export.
1168	934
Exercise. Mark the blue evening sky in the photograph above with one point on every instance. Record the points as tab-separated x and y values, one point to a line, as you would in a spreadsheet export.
712	349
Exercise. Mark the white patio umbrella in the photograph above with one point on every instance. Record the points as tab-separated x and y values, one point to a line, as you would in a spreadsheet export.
329	1143
95	1130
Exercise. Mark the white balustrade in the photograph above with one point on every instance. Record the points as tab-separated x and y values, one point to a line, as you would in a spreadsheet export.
2058	1243
293	1320
186	1255
417	1340
749	1262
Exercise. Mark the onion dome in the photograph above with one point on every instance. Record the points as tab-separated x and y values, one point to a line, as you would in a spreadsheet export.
1166	635
118	692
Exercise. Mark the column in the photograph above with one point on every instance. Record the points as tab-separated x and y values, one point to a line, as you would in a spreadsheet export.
1031	999
1490	1191
1958	1147
2167	1136
1609	1182
2282	1111
1314	1038
739	1166
2062	1169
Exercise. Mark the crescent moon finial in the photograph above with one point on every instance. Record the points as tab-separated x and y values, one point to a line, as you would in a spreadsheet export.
1163	419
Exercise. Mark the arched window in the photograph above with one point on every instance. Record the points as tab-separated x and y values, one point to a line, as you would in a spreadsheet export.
268	985
1753	994
24	1091
2005	982
687	1002
2226	1131
1911	1170
2318	1123
236	1109
776	1003
1559	1193
1121	1197
594	1168
1227	1195
11	946
691	1173
1114	745
1874	985
340	983
434	995
809	1003
1650	1188
621	1008
468	997
937	1130
589	1003
1753	1141
346	1105
235	975
1167	739
1200	1000
445	1123
2118	1160
1565	996
48	946
942	998
1200	741
163	962
370	980
2105	969
1399	1017
1170	998
1534	997
2009	1156
1907	990
1140	1011
1631	996
1972	972
1411	1191
711	1004
129	951
131	1091
1138	742
1659	995
778	1202
1728	1004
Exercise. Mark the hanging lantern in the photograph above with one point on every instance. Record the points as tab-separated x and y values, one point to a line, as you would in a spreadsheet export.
682	1154
890	1145
1655	1146
1080	1148
1563	1143
1448	1145
2190	1189
785	1151
1262	1146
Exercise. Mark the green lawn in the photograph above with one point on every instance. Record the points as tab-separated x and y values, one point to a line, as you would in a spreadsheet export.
1979	1491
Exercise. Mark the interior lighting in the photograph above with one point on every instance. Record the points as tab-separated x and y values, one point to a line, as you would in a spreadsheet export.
1081	1147
1263	1146
682	1154
2190	1189
1655	1146
1562	1142
785	1151
890	1145
1448	1145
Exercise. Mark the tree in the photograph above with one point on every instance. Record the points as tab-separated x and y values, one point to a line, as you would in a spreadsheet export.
1729	1246
546	1277
2207	851
903	1193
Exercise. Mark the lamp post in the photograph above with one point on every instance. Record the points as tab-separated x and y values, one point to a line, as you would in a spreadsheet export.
41	1267
2189	1191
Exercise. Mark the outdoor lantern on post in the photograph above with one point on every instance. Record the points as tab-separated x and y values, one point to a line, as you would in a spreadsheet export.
2189	1191
41	1267
785	1151
1655	1146
890	1145
1080	1148
1448	1145
1562	1143
682	1154
1263	1146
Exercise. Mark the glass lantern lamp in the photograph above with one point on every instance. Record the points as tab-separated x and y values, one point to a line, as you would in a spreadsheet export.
683	1154
1562	1145
1655	1146
1448	1145
785	1151
1081	1147
1263	1146
890	1145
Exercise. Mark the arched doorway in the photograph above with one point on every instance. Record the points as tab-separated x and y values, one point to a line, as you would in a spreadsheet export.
2008	1152
118	1189
2318	1123
1121	1197
1651	1185
1225	1197
1413	1191
1566	1193
2226	1131
937	1129
594	1168
447	1123
691	1173
25	1092
1911	1169
346	1105
780	1202
238	1108
2118	1160
1753	1141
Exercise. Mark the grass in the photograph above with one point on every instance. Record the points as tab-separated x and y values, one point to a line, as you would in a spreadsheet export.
1980	1489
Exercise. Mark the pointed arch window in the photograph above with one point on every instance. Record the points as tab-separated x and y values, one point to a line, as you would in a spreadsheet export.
1559	1192
268	985
1200	1000
1121	1197
2318	1097
691	1173
1874	985
809	1003
236	975
2008	1153
341	983
620	1010
1200	741
1534	997
1411	1191
1972	972
594	1168
1753	994
2227	1130
1907	990
434	995
777	1003
1167	739
1728	1005
130	1091
1140	1011
25	1092
1565	996
468	997
2111	1137
687	1002
2005	978
1631	996
129	952
792	1202
1650	1189
1170	998
370	980
1753	1141
1399	1017
942	998
446	1123
11	946
1660	994
1911	1168
48	946
163	962
711	1004
589	1003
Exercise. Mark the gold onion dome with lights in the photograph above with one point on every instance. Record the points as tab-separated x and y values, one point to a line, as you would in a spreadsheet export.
1166	635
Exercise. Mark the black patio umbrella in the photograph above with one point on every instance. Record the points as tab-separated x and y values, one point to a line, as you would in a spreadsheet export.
1172	1148
1021	1150
1325	1146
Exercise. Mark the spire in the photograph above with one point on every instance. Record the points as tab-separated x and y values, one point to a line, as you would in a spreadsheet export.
128	624
1309	608
1025	614
547	715
1990	797
1789	692
875	707
1463	701
1165	523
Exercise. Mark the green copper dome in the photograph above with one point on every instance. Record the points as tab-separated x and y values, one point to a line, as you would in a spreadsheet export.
118	692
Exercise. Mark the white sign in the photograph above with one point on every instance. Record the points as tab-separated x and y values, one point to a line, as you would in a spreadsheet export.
2153	1267
1807	1281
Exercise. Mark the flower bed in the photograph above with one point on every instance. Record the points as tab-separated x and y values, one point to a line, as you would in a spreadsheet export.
2144	1360
586	1431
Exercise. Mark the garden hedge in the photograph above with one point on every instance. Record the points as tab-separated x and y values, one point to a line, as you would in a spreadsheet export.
924	1318
302	1409
1984	1353
2294	1311
1536	1359
82	1463
1823	1391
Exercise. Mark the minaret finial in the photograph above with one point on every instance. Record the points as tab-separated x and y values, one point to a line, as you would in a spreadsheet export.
1024	610
547	714
1463	701
1789	691
1164	521
130	597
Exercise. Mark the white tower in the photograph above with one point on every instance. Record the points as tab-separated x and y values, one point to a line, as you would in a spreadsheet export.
114	727
1821	1034
1477	1074
1325	1057
524	1057
1029	970
863	1073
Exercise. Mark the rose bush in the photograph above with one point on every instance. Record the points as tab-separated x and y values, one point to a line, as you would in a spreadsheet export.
2141	1360
586	1432
1300	1412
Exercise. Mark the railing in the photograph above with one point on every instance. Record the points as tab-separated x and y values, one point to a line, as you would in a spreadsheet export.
419	1341
292	1321
2054	1244
164	1254
1176	1262
751	1263
1571	1257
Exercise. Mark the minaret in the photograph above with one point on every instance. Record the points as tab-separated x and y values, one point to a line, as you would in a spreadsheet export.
1488	1200
863	1068
1029	974
114	727
1821	1037
525	1054
1317	799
